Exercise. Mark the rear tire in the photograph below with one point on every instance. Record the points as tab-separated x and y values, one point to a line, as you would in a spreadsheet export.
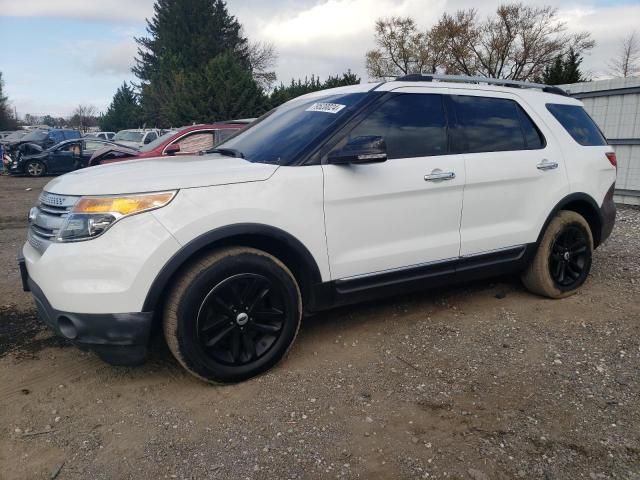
232	314
563	260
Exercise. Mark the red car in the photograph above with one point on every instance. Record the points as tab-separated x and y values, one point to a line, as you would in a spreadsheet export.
184	141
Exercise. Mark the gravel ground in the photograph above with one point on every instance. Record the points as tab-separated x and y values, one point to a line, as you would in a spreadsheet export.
483	381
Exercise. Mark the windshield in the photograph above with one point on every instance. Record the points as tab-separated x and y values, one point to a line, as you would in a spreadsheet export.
158	141
285	132
35	136
12	137
127	136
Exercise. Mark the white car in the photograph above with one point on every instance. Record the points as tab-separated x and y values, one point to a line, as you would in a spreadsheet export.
136	137
102	135
332	198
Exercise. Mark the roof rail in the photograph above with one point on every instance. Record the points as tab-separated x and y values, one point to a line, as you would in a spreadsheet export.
419	77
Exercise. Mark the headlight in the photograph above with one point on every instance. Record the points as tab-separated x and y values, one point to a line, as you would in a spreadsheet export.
92	216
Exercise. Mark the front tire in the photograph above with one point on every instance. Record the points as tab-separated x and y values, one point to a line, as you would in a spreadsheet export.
34	168
232	314
563	260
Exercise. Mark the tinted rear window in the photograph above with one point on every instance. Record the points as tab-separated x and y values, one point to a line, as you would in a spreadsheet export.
578	123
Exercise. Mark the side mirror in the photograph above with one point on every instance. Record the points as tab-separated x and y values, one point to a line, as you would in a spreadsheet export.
368	149
172	149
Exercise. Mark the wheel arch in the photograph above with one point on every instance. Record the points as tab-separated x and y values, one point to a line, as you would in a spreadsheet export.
586	206
282	245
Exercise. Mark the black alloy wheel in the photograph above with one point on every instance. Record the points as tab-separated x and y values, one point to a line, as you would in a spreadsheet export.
570	257
241	318
232	314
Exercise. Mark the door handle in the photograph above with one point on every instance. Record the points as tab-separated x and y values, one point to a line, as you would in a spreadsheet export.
438	175
547	165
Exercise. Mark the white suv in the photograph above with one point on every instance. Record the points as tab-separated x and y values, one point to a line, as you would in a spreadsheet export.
335	197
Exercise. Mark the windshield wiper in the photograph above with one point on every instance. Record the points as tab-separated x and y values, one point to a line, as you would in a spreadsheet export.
227	152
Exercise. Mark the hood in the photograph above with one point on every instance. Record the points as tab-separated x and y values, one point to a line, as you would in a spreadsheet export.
31	156
115	148
158	174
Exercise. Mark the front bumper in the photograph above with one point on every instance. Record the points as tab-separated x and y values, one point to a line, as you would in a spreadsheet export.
118	339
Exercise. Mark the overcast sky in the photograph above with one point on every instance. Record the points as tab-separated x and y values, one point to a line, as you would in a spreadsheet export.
56	54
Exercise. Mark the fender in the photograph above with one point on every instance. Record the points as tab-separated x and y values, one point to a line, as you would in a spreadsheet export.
593	215
265	237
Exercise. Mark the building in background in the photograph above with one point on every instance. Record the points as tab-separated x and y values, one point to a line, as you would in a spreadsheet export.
615	106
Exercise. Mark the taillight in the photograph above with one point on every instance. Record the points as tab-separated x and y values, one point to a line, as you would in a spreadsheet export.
612	158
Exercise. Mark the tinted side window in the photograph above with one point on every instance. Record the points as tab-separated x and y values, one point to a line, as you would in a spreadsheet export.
487	124
413	125
578	123
532	136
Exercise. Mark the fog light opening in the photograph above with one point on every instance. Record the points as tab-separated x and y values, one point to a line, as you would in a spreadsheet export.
67	328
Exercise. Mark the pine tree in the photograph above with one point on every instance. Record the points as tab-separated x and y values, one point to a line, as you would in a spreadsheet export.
7	122
124	111
185	36
282	93
564	69
224	90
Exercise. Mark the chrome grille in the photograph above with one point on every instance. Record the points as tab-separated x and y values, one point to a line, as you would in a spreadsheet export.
47	219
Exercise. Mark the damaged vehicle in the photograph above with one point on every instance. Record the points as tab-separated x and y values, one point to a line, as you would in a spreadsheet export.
184	141
37	141
63	157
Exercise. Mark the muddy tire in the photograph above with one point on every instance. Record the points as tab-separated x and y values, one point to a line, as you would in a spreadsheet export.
232	314
563	260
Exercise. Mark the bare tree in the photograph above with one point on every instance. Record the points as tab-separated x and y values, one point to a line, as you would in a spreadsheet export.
30	119
84	116
627	61
403	49
516	43
262	58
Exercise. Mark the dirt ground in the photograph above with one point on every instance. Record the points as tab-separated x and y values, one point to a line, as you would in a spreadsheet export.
478	382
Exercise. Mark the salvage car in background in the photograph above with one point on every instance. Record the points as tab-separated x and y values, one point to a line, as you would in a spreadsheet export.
61	158
184	141
102	135
136	138
13	136
36	141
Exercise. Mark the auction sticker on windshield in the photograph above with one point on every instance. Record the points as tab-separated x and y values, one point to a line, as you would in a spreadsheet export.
326	107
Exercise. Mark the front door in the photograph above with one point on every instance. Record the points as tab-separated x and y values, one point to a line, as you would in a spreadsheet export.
400	213
62	159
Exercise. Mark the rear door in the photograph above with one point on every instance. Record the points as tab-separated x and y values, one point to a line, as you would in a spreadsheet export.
393	215
514	176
